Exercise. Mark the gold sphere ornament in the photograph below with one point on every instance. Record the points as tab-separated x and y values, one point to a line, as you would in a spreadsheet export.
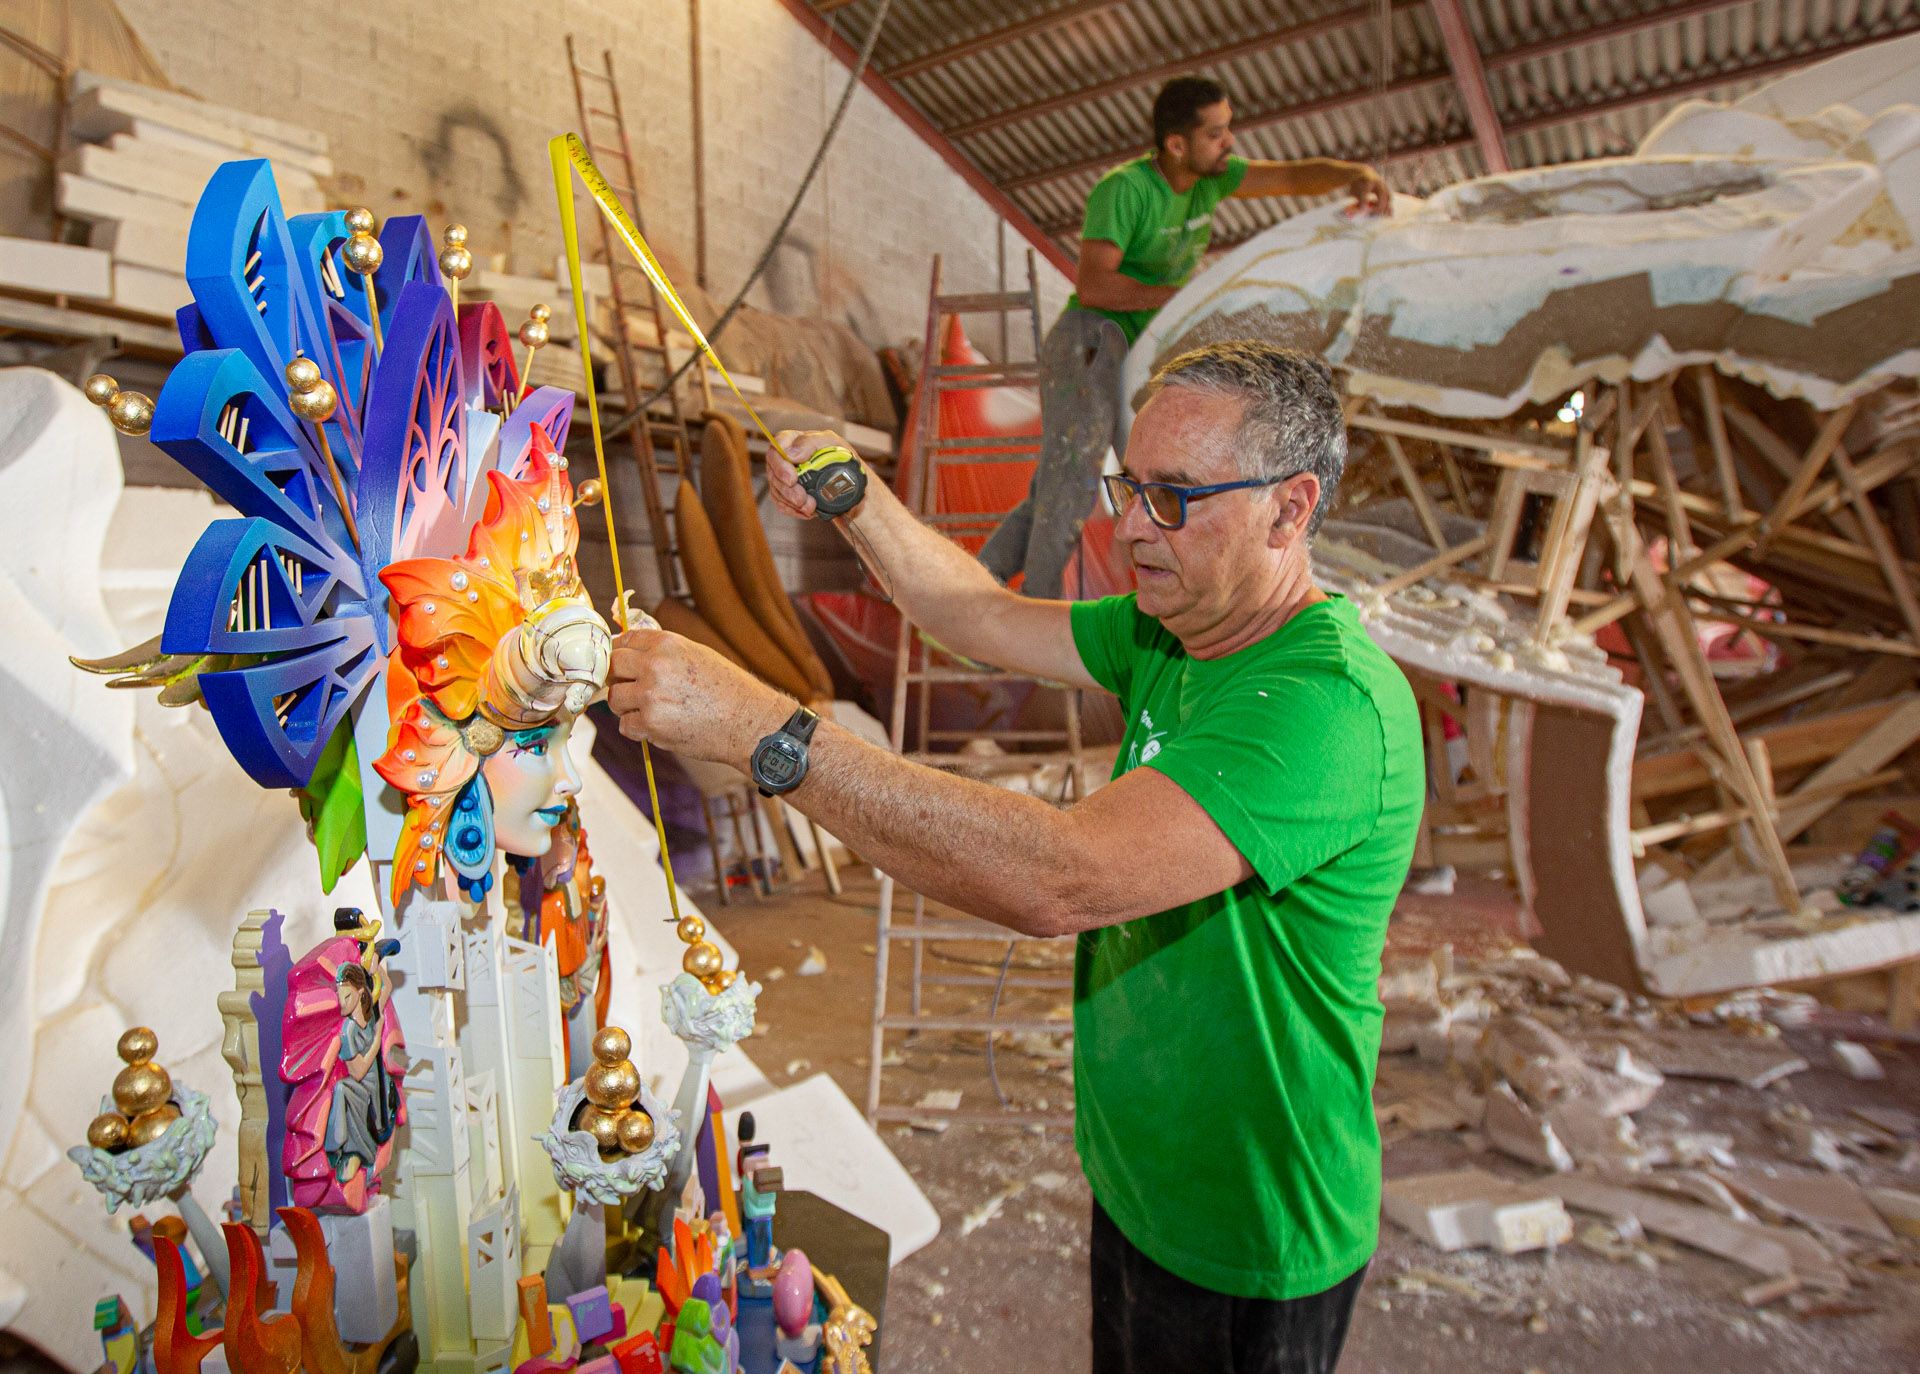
541	312
597	889
722	981
604	1127
455	236
534	334
303	374
141	1088
362	253
108	1131
138	1045
588	494
613	1086
611	1045
100	388
636	1130
691	930
317	403
150	1126
131	412
456	263
703	960
360	221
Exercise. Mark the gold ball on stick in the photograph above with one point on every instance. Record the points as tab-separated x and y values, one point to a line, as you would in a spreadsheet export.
131	412
691	930
456	263
722	981
703	960
588	494
150	1126
100	388
360	221
534	334
303	374
362	253
455	236
604	1127
141	1088
541	312
613	1086
611	1045
635	1130
138	1045
316	403
108	1131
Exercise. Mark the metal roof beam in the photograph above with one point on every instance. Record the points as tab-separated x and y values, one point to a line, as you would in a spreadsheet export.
1160	71
1002	203
1361	94
996	38
1463	55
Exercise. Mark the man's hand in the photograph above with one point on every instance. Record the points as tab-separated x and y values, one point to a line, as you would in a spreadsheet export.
1371	195
687	699
783	479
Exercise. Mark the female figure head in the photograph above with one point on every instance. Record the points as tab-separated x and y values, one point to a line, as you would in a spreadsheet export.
498	653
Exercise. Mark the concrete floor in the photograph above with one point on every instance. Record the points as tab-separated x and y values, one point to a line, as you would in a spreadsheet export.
1012	1294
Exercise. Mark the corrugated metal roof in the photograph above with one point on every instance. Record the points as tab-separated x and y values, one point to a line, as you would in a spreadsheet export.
1044	95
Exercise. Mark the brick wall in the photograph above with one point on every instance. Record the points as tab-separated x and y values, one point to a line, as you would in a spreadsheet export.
446	111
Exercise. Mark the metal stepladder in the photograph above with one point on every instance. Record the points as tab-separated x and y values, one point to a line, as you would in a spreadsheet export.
921	669
651	434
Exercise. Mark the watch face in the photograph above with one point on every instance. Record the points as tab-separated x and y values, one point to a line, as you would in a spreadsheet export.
779	762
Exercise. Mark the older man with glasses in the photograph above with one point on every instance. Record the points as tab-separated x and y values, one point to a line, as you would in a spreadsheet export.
1229	888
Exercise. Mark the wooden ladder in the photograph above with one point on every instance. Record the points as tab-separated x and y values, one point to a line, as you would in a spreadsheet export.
603	128
923	668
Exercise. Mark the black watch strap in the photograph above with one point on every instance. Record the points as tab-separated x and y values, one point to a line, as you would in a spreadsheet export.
801	724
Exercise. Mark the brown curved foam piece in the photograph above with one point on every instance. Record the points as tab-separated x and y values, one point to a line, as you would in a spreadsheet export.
719	601
682	619
726	486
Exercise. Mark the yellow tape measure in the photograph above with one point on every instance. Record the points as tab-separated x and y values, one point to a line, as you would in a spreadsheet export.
569	155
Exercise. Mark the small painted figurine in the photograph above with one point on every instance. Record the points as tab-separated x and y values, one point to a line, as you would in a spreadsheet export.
344	1057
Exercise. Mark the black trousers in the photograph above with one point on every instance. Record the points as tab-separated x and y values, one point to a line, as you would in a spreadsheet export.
1148	1321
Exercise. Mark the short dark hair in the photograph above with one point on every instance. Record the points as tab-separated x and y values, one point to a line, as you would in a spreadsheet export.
1292	422
1176	110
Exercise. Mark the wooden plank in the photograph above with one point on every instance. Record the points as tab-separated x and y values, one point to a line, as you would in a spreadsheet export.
1519	449
1567	537
1796	744
1416	493
1882	545
1459	553
1673	625
1709	388
1825	444
1868	753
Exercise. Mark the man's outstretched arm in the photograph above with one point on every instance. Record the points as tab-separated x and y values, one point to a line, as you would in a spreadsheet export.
1138	845
937	584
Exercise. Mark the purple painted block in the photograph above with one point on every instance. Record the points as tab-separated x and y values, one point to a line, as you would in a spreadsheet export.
592	1314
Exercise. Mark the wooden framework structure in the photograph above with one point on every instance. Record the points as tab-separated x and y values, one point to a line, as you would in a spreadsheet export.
1636	523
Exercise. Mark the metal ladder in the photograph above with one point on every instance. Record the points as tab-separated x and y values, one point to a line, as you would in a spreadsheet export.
651	435
926	667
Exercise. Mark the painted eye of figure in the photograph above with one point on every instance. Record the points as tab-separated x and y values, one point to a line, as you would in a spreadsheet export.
533	742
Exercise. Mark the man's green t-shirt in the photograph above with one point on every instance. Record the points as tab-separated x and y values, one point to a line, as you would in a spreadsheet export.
1224	1051
1161	235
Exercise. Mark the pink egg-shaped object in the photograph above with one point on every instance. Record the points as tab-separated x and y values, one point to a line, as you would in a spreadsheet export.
793	1293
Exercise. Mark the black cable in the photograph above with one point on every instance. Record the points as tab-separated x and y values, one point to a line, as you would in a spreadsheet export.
634	416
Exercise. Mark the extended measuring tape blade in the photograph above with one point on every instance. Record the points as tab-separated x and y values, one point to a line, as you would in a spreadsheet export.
566	150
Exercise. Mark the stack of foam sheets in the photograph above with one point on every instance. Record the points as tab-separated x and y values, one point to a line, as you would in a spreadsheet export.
140	158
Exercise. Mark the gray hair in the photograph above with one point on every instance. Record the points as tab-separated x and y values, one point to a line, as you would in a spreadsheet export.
1292	422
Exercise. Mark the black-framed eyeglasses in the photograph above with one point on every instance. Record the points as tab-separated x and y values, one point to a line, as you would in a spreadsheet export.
1166	502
